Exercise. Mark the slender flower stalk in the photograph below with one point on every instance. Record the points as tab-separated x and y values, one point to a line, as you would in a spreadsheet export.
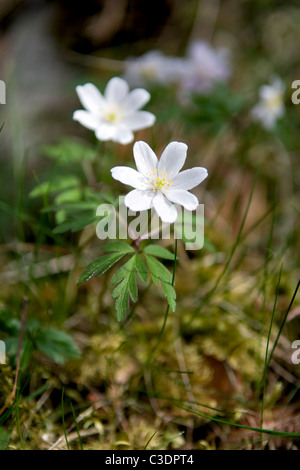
166	312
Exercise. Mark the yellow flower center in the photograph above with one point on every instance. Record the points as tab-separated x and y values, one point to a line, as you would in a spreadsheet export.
274	101
159	182
149	71
112	115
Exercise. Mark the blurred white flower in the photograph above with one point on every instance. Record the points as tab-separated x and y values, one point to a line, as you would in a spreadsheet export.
204	67
153	68
115	114
271	106
158	183
198	71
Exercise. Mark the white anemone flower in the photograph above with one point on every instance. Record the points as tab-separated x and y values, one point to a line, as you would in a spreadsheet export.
159	183
271	106
115	114
204	67
154	68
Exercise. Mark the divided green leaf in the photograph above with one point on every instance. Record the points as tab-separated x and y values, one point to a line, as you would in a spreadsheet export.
118	246
170	294
127	285
159	251
141	269
99	266
160	273
126	288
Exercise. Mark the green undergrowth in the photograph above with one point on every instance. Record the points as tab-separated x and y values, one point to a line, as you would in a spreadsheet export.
148	345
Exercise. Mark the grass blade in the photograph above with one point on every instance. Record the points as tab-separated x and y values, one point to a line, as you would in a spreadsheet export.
76	425
266	356
63	418
283	323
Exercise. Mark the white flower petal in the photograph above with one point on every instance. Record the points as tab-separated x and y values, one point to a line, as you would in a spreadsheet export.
86	119
145	158
261	113
135	100
173	158
105	131
138	200
140	120
123	135
266	92
116	90
182	197
90	97
164	208
278	85
188	179
127	175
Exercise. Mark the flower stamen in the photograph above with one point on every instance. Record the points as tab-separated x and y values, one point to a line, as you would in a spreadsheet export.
113	116
160	182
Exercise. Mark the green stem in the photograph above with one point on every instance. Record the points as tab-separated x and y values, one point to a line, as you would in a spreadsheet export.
166	313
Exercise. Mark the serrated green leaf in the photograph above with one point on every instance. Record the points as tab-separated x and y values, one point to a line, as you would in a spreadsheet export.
126	288
118	246
57	345
159	251
128	282
160	273
158	270
124	270
122	303
132	286
99	266
170	294
127	275
141	269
